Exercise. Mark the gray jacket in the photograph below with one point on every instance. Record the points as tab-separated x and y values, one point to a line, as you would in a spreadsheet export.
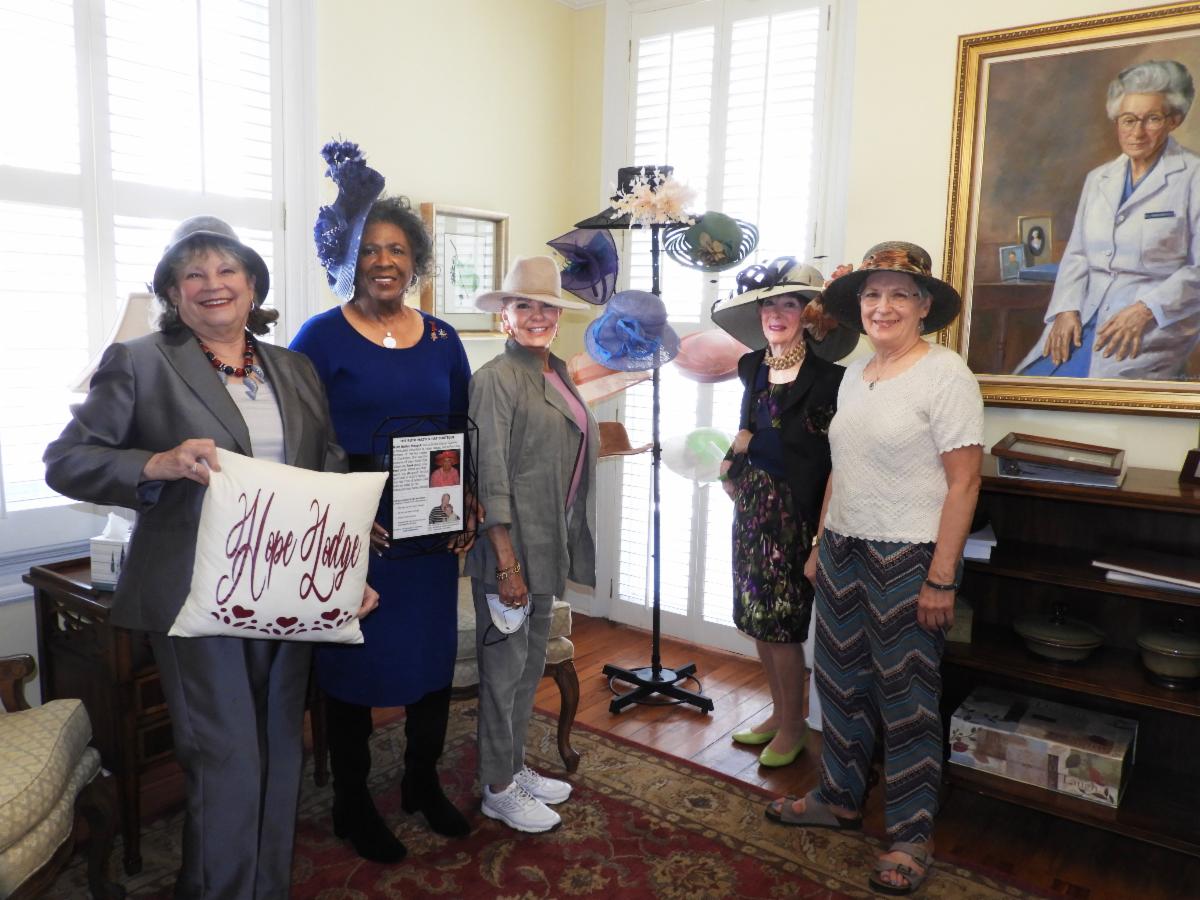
149	395
528	444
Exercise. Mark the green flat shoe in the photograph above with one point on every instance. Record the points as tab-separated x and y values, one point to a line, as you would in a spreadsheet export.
754	738
773	760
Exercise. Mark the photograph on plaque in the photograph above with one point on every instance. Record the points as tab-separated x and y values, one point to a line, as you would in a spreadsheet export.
427	484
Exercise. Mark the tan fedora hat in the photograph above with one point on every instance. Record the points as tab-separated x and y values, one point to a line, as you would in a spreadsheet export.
534	278
614	440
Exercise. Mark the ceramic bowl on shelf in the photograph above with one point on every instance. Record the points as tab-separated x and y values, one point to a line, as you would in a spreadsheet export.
1171	657
1057	637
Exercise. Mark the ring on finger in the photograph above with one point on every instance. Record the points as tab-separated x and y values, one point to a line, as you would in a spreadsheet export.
195	468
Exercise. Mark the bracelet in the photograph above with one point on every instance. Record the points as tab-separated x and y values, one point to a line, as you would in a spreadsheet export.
503	574
942	587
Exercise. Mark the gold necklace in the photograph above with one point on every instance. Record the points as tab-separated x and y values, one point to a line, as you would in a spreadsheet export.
791	358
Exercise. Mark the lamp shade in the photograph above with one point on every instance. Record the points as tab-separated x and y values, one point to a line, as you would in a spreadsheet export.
133	321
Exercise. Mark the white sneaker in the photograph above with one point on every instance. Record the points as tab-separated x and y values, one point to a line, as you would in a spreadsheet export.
548	790
519	809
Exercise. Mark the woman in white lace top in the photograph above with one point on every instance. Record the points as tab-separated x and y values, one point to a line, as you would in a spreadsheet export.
907	446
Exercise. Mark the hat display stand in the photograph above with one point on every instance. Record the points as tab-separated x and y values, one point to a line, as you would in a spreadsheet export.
655	685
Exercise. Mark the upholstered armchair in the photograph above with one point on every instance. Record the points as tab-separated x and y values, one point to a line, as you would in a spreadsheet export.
49	777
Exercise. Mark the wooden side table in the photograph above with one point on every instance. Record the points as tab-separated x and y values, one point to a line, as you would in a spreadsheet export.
112	671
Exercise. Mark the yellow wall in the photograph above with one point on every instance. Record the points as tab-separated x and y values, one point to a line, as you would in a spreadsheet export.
479	103
900	162
498	105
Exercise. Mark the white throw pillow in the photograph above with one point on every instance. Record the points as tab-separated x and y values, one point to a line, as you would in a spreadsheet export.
281	553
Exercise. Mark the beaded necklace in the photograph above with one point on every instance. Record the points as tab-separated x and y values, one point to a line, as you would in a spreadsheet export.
789	359
223	367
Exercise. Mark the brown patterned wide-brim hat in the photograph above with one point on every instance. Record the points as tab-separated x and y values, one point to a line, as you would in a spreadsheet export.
841	297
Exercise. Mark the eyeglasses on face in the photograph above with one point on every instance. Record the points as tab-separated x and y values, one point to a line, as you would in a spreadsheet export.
1151	121
873	296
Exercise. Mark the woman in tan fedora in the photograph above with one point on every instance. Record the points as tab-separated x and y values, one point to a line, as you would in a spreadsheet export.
537	460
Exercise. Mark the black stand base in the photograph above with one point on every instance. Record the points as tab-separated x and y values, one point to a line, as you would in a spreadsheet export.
648	681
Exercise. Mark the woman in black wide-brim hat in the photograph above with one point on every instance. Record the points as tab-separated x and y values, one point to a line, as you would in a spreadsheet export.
776	472
906	448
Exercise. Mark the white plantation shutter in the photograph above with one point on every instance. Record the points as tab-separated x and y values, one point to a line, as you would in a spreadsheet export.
130	116
672	120
729	94
43	337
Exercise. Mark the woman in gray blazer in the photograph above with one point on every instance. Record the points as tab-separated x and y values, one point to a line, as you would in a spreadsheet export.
537	463
145	438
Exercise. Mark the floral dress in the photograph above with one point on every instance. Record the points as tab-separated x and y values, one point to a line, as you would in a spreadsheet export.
772	600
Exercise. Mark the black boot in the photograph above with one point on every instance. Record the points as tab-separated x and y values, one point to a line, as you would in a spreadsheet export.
425	730
355	817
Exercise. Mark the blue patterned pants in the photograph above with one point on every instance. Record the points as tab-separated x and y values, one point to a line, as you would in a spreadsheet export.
877	667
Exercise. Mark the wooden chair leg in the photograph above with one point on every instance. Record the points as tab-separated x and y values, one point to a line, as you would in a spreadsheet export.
97	803
567	680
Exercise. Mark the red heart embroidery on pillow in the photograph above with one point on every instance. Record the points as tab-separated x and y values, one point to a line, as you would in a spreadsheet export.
331	615
241	612
287	621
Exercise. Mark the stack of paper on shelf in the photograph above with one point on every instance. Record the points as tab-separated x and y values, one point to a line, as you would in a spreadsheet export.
1147	568
980	543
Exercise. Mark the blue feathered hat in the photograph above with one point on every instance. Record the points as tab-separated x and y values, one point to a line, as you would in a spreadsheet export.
339	227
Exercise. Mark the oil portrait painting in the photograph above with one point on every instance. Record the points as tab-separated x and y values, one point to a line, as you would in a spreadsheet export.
1098	180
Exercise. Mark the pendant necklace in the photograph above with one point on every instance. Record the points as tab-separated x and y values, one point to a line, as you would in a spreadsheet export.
389	341
880	366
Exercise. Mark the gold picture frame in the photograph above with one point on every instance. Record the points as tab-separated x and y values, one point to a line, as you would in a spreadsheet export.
1010	157
470	251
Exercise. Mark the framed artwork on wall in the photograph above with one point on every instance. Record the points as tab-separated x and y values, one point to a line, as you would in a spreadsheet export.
470	248
1104	314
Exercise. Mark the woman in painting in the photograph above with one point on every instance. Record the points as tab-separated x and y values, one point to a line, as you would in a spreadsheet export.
537	466
776	472
1126	302
906	446
381	358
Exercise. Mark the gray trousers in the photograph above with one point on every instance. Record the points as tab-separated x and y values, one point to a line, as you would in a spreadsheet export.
510	667
237	715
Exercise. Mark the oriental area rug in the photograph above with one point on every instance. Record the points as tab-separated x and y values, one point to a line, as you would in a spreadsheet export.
638	825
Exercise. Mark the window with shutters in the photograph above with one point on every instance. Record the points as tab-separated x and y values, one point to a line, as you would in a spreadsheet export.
123	117
733	95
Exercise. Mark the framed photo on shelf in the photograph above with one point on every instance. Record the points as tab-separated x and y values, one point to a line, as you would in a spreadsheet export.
1036	166
470	248
1034	233
1012	261
1190	473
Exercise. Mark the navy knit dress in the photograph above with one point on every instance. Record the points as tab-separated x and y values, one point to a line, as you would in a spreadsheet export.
410	640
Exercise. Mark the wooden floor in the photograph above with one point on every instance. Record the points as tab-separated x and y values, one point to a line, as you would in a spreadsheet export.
1038	851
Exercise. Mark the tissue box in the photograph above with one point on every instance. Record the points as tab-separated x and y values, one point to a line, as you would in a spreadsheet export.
107	558
1062	748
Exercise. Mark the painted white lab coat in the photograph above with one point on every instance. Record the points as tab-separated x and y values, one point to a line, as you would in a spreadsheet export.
1146	249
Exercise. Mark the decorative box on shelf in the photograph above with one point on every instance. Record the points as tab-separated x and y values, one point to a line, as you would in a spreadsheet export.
1051	745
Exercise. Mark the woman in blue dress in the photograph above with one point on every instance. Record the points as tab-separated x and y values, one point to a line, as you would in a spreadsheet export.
380	358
